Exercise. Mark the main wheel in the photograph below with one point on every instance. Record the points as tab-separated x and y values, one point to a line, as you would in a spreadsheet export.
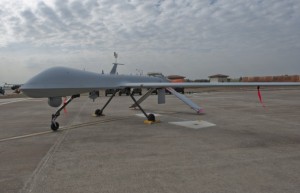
54	126
98	112
151	117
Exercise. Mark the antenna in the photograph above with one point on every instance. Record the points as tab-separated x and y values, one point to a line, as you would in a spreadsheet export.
116	56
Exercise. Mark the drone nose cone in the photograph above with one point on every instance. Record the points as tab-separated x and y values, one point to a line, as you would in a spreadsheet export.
47	79
60	81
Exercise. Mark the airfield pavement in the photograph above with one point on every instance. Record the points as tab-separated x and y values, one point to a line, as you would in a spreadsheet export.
250	149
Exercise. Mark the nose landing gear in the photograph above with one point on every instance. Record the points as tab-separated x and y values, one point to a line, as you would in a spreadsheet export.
55	125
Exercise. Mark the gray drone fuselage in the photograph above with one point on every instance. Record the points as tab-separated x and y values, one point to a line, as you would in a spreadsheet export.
62	81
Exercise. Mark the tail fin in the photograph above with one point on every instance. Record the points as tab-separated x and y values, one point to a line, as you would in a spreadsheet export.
114	68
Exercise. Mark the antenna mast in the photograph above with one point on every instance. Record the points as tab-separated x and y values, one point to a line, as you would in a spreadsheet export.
116	56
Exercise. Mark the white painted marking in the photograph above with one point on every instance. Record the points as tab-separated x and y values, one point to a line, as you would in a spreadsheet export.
142	115
25	136
9	101
63	128
194	124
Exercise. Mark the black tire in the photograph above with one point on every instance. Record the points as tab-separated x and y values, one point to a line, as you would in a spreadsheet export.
151	117
98	112
54	126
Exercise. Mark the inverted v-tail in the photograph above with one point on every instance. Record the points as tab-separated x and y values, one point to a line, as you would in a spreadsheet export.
114	68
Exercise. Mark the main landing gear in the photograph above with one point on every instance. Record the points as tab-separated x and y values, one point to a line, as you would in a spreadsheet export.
99	112
54	124
150	117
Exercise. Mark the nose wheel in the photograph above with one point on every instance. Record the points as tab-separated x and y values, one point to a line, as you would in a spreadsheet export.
54	126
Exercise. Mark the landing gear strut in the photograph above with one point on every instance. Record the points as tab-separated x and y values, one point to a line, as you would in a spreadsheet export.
150	117
54	124
99	112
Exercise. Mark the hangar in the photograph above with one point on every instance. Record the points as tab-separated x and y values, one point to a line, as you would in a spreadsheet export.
218	78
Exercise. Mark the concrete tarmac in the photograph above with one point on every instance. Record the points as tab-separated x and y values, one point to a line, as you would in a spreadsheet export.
250	148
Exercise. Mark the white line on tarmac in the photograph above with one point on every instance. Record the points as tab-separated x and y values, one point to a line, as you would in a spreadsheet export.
64	128
15	101
25	136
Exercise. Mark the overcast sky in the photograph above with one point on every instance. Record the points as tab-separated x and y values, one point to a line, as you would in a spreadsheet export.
193	38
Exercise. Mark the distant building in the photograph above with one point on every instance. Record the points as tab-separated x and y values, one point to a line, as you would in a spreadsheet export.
172	78
218	78
283	78
176	78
